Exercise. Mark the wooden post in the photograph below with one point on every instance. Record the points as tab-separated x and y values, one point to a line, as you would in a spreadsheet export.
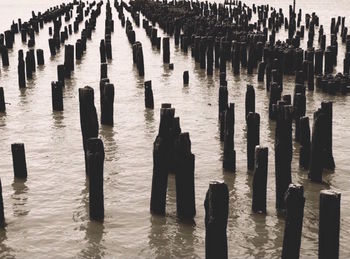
249	100
253	140
305	145
216	213
160	177
260	179
103	51
328	159
2	100
61	74
329	224
149	103
95	158
5	56
57	95
104	70
2	214
52	45
40	57
19	160
166	50
295	201
185	77
107	104
88	116
229	160
283	151
184	177
316	158
21	70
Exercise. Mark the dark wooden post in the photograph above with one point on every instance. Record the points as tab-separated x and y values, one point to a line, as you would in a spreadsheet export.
88	116
61	74
249	100
318	137
216	213
19	160
149	103
160	177
185	77
107	104
185	193
166	50
104	70
57	95
52	45
21	70
253	140
329	224
229	160
305	144
327	109
40	57
295	201
2	100
283	151
2	214
95	158
260	179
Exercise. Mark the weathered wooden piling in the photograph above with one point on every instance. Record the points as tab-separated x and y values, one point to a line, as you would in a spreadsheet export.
216	214
328	159
2	214
317	145
210	57
249	100
104	71
310	76
21	70
275	95
253	137
260	179
295	201
28	66
186	78
166	50
57	95
107	104
61	74
329	224
19	160
88	116
149	103
184	177
95	158
229	159
261	71
4	56
2	100
160	177
68	60
103	51
52	46
223	105
305	143
283	151
40	57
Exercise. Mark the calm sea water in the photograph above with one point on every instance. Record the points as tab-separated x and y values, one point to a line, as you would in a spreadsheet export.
47	215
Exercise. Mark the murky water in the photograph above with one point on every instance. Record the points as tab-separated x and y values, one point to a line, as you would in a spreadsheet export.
47	215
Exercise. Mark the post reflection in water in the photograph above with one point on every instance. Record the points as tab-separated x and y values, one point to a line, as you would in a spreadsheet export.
20	198
94	231
6	251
